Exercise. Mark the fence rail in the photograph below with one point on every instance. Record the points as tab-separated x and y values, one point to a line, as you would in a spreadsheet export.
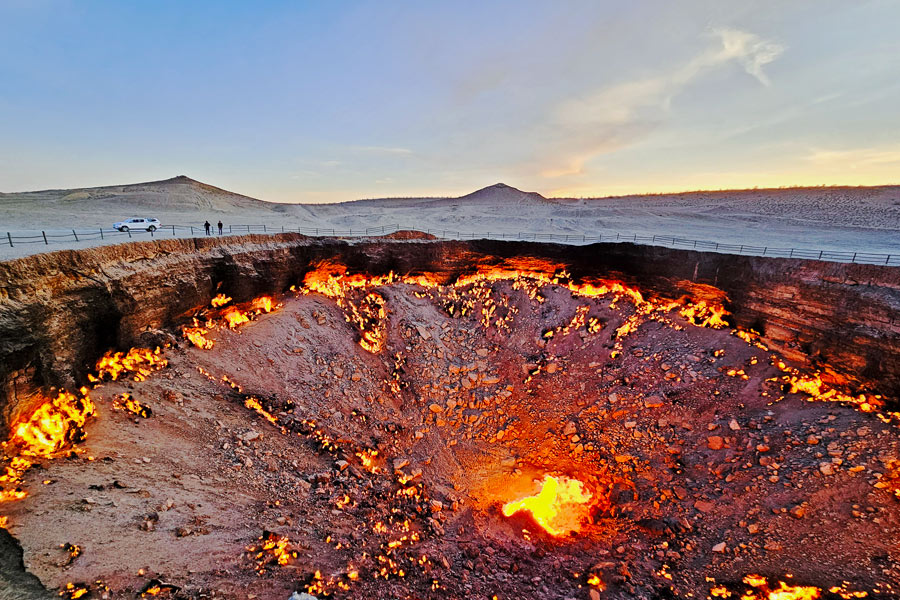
54	237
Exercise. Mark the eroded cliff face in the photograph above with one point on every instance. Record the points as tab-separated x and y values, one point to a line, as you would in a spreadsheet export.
59	312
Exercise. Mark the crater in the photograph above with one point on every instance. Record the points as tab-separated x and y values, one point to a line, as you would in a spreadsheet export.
265	417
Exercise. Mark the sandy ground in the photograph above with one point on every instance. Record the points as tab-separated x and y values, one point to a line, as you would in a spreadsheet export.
699	478
838	219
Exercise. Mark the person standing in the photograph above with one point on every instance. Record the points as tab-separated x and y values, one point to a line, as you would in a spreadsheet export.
220	226
207	226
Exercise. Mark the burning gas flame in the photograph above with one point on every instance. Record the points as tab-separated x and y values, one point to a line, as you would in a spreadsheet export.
235	316
139	361
197	336
560	507
54	424
220	300
263	304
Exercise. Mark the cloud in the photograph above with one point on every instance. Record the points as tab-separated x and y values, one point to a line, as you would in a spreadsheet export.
613	117
751	51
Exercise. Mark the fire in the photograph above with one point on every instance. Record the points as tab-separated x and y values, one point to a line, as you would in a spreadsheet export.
263	304
783	592
197	336
235	316
702	314
220	300
128	403
54	424
139	361
560	507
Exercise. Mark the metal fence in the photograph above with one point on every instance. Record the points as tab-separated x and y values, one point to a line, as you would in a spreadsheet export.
101	234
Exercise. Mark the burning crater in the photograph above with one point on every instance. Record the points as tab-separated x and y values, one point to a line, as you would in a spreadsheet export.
504	430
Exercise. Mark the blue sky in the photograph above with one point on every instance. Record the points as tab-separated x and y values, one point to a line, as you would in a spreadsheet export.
330	101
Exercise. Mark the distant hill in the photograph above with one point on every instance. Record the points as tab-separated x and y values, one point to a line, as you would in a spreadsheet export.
176	194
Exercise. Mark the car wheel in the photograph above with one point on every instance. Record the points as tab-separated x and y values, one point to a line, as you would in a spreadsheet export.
123	228
152	228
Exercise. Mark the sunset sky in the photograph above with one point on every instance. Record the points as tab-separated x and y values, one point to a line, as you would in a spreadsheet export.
331	101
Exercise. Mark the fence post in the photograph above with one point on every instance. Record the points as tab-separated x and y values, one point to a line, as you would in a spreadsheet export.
46	243
192	230
888	259
853	260
229	229
264	228
695	243
741	251
617	236
173	230
717	245
282	229
75	234
9	237
101	233
791	254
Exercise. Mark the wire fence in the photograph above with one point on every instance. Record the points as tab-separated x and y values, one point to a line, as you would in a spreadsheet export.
100	234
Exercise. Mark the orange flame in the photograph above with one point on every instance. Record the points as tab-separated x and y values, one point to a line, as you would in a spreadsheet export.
139	361
262	304
54	424
234	317
197	336
560	507
220	300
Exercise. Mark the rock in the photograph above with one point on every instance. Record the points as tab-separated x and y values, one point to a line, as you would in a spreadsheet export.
704	506
715	442
798	512
399	463
812	440
733	425
570	429
251	436
551	368
338	372
423	332
720	548
302	596
435	407
594	594
482	352
826	468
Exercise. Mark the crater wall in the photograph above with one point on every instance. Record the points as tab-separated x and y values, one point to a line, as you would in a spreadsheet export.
60	311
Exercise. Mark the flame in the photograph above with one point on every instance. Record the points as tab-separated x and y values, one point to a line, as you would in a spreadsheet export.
197	336
139	361
220	300
54	424
782	592
235	316
559	507
702	314
128	403
262	304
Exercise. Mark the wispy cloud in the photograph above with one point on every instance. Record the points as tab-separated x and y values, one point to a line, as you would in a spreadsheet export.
615	116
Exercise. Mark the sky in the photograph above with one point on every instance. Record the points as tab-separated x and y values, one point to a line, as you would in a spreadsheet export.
331	101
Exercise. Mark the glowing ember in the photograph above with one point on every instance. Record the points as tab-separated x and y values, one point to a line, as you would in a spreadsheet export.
560	507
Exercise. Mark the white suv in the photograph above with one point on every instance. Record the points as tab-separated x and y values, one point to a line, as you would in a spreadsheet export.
137	223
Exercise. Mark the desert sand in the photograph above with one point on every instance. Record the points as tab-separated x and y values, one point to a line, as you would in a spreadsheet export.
851	219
